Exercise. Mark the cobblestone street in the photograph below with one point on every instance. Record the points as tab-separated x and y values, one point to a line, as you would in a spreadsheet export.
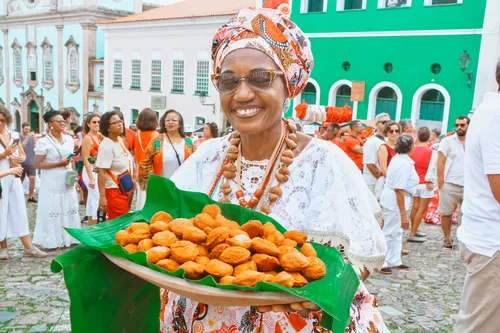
424	299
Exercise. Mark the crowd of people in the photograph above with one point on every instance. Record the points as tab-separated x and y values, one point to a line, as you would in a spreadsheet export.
100	164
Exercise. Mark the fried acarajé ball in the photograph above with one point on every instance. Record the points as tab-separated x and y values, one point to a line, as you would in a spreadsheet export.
268	278
299	237
202	261
145	245
212	210
161	216
193	270
203	220
235	255
168	264
275	237
285	249
240	240
253	228
194	235
248	266
273	273
267	229
122	237
178	226
217	251
315	270
308	250
264	246
227	280
289	242
265	262
164	238
157	253
231	225
218	268
138	235
203	252
300	280
293	261
158	226
217	236
284	279
137	226
183	251
131	248
236	232
249	278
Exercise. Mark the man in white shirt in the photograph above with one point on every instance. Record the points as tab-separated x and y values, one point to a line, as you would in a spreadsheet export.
479	234
451	182
371	171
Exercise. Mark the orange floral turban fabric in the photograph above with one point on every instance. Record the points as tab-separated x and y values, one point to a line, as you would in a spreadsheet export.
271	31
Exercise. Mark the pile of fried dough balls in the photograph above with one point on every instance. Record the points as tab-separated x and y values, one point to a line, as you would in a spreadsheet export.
230	253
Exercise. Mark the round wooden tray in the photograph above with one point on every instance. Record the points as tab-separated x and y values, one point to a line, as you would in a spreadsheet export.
204	294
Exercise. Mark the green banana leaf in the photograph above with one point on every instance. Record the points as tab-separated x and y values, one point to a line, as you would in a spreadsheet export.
105	298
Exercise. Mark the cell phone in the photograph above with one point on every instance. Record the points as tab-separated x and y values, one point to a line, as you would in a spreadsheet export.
157	144
101	216
71	156
15	142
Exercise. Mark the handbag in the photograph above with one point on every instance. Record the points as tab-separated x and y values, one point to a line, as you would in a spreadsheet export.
124	180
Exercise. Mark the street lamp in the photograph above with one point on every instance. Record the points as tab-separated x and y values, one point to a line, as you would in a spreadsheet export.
203	99
463	62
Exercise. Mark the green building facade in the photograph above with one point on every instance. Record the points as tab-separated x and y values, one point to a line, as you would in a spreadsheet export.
405	51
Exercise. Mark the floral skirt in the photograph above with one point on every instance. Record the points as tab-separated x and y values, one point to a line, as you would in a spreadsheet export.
181	315
431	215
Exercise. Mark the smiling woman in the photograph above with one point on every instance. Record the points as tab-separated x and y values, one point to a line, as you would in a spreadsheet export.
262	60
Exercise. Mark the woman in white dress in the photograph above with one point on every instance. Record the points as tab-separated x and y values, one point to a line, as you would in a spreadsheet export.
13	215
401	183
58	202
90	147
260	60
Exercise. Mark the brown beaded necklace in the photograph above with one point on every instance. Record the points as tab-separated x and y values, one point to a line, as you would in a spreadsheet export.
230	171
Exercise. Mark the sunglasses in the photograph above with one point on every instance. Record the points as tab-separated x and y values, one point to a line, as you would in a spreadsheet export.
96	121
261	80
460	125
394	131
59	121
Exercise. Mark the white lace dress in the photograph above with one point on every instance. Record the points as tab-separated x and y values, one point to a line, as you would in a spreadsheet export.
325	197
57	203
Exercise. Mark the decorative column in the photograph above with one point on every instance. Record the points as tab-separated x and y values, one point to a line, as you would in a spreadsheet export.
6	66
60	72
88	52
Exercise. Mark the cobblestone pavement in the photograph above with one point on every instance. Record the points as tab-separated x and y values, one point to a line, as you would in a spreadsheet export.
424	299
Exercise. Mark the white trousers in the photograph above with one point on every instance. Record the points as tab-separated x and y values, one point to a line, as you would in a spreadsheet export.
141	199
394	237
93	195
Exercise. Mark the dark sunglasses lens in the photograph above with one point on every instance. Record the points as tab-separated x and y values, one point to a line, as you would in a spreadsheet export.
459	125
260	80
227	82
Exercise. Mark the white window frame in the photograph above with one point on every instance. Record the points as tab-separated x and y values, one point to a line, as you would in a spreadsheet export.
199	77
341	6
178	79
48	64
117	75
429	3
17	63
135	76
158	77
304	4
383	4
101	78
31	57
72	65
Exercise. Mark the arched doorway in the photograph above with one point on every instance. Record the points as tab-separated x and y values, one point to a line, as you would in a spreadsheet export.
309	94
431	109
387	101
34	116
343	96
17	119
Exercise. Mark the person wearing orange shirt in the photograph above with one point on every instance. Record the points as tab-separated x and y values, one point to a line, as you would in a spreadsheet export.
340	142
332	130
354	144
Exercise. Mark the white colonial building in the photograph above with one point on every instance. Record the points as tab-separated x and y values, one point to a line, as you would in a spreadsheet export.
161	59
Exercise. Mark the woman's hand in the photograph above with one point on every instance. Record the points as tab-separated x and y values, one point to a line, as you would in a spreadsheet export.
17	171
17	159
92	183
303	309
64	162
429	186
405	223
9	150
102	203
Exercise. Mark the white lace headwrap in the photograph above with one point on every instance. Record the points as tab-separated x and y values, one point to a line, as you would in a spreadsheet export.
325	197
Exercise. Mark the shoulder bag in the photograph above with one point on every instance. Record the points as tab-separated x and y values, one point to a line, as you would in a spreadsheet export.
70	176
124	180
